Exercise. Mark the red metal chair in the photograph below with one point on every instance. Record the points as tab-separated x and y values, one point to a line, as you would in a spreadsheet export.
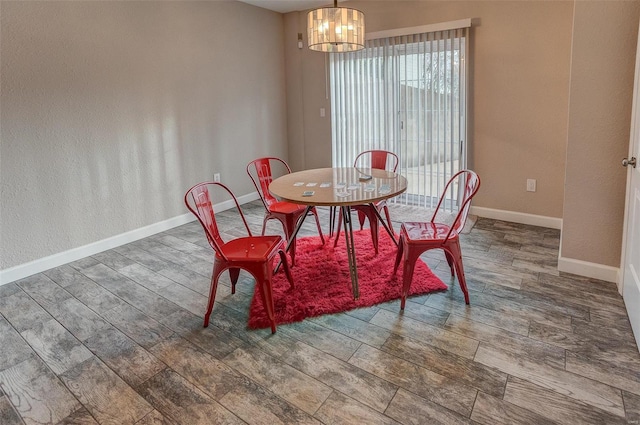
418	237
254	254
288	213
381	160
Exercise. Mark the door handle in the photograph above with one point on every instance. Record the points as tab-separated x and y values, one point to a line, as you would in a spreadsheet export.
629	161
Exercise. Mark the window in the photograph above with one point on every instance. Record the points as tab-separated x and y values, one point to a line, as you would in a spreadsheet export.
406	94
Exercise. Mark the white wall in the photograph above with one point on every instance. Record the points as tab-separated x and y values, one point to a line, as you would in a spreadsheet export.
112	110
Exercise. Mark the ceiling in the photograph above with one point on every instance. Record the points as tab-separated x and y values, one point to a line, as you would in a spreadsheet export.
284	6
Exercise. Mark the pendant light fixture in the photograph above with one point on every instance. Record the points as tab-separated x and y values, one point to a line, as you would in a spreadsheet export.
335	29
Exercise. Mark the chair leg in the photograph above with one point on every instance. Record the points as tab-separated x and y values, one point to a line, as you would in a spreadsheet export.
315	213
335	242
266	293
386	213
407	275
233	275
373	226
361	218
264	224
285	265
450	261
457	260
289	225
399	254
217	269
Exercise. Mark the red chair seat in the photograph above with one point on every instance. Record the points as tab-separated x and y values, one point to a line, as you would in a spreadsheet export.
252	249
418	231
283	207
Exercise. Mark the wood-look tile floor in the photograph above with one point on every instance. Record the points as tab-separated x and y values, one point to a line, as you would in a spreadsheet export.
117	338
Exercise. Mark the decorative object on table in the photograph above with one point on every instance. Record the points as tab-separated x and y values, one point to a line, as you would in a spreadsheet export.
254	254
335	29
322	281
418	237
261	173
371	159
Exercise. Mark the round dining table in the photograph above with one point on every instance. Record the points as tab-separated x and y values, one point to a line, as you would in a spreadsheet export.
342	188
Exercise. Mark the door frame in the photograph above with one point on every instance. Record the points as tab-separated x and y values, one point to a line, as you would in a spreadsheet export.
627	196
634	138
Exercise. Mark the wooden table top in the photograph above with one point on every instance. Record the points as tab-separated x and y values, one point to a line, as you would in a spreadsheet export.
338	186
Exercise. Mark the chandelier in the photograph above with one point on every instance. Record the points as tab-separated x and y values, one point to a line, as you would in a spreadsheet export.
335	29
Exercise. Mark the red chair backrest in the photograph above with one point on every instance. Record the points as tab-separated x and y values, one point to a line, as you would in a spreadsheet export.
471	186
262	169
198	201
379	159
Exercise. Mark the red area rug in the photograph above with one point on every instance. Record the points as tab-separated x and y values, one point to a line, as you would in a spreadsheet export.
323	284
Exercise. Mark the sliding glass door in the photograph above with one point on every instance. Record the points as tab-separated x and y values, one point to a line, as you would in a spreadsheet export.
407	95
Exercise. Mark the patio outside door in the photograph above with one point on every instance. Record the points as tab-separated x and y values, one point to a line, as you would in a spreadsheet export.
431	103
406	94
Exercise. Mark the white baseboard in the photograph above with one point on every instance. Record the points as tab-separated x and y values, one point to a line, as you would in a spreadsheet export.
42	264
567	265
517	217
587	269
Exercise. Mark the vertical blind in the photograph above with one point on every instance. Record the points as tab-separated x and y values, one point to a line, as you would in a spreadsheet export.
406	94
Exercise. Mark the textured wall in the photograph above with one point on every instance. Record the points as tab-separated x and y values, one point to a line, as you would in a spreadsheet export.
295	82
520	56
111	110
309	134
602	70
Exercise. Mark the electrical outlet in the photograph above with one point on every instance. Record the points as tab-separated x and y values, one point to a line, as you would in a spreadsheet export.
216	177
531	185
